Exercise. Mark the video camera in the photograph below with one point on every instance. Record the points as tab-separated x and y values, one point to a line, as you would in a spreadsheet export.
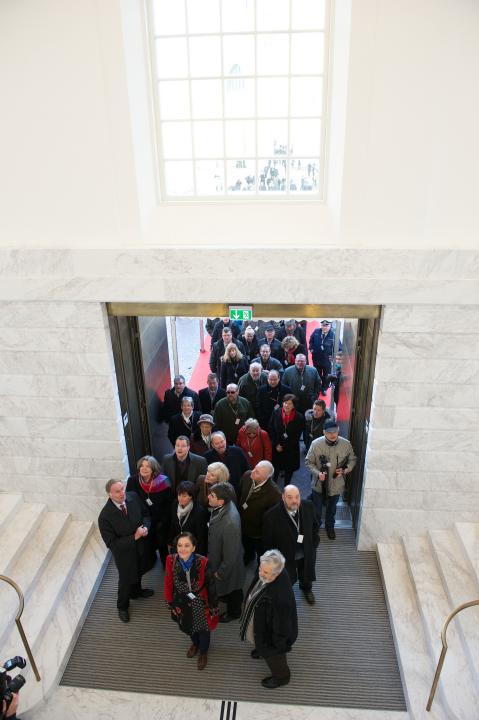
9	685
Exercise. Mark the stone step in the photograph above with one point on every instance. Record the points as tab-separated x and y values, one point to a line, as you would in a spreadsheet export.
457	682
461	586
8	505
62	630
18	532
468	534
415	662
29	566
51	586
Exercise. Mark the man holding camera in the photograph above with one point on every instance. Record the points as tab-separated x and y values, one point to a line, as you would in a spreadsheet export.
124	532
329	459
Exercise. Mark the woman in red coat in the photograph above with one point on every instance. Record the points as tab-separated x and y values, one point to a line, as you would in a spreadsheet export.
190	592
255	442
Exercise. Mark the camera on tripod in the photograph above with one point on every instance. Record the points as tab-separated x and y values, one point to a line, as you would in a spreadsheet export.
8	685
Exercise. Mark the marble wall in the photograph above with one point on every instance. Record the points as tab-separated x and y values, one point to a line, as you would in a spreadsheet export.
423	449
60	426
60	429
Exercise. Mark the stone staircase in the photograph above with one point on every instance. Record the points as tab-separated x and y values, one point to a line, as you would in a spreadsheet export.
425	578
58	563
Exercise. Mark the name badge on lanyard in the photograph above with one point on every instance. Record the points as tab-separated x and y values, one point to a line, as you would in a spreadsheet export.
300	538
149	502
285	435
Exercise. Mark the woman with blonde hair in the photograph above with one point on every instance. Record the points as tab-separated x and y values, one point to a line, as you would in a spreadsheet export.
233	365
291	348
216	473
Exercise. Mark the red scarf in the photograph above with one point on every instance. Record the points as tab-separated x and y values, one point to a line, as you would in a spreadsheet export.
157	484
287	418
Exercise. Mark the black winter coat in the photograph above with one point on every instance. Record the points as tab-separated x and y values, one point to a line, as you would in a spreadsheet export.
231	372
195	523
159	512
289	459
268	399
178	426
275	623
172	402
234	459
280	533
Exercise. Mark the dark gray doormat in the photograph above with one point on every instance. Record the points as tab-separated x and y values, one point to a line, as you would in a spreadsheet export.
344	656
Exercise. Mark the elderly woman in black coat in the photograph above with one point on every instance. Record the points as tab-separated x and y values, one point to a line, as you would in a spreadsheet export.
269	620
285	429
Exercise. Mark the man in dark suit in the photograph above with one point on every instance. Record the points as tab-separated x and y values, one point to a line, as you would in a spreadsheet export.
174	396
210	395
292	528
274	345
182	464
230	455
124	529
185	422
270	397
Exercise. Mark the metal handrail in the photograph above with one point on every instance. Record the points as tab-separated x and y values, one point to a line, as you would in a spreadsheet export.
442	656
21	605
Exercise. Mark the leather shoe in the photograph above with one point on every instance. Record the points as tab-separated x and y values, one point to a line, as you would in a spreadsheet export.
330	533
192	651
124	615
255	654
202	661
310	599
271	683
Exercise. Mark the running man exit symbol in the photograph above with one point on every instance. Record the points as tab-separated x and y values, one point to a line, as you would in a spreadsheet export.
241	313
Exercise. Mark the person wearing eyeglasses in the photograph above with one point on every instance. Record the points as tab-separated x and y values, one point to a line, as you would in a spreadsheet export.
232	412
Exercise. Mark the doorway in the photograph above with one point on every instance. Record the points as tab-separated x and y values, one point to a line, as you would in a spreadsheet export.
154	342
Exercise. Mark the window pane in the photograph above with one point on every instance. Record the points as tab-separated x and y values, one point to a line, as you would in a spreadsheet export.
305	137
179	178
168	17
304	176
237	15
203	16
208	138
307	14
273	97
307	53
272	54
176	140
272	137
174	99
240	138
172	58
306	96
241	176
272	175
210	177
239	98
206	97
272	14
238	55
205	56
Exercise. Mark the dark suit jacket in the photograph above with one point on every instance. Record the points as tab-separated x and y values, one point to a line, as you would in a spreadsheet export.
172	403
267	399
275	347
178	426
280	533
198	466
196	523
205	399
275	623
118	533
234	459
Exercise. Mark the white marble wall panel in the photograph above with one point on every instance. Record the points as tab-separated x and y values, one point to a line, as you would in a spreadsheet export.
60	425
427	319
423	444
426	393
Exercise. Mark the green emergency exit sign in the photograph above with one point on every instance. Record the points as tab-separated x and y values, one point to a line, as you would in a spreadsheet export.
244	312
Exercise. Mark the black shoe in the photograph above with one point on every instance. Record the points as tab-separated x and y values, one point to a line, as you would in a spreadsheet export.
124	615
255	654
271	683
310	599
144	593
330	533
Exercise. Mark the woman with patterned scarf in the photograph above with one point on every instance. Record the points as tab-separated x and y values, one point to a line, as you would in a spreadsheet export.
190	592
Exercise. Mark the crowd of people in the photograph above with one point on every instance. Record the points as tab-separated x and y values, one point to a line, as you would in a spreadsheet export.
225	498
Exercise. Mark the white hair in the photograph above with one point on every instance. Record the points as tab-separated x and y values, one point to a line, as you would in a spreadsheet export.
275	559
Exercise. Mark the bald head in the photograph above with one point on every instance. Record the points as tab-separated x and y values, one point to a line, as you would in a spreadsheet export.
291	497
